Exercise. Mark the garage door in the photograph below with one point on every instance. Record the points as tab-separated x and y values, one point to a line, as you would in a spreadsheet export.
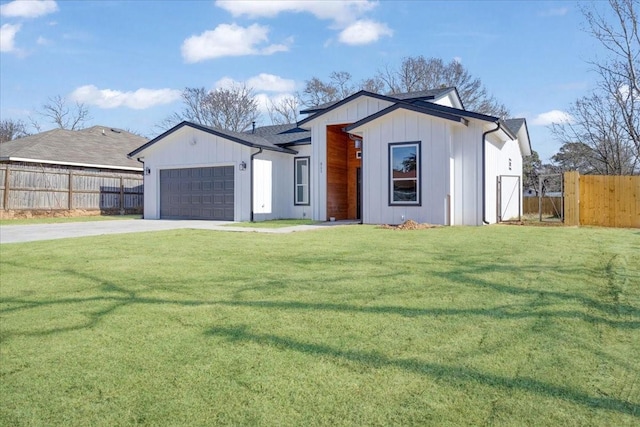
197	193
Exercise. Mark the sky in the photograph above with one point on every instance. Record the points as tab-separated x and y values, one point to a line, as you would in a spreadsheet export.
128	61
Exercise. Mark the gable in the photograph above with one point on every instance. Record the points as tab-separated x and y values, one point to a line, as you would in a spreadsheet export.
350	109
242	138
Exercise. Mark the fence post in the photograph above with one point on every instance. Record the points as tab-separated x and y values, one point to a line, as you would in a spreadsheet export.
5	201
121	196
70	196
571	198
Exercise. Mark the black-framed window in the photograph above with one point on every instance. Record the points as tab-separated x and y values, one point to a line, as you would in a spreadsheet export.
404	173
302	176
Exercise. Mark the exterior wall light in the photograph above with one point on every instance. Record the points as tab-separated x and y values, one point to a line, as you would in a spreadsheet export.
147	171
242	166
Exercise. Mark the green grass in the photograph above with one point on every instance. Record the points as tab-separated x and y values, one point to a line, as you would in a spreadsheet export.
52	220
499	325
275	223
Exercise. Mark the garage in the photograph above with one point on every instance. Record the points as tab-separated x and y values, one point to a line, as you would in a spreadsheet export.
197	193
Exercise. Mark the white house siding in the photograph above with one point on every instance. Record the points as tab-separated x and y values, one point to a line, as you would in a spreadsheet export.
189	147
434	135
466	152
281	186
346	114
301	211
503	158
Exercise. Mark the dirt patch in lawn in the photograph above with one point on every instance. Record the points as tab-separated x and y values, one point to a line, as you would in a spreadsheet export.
409	225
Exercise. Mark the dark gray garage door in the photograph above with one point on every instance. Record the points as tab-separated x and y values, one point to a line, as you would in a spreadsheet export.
197	193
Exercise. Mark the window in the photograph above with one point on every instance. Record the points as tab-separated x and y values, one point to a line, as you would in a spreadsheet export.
404	173
301	180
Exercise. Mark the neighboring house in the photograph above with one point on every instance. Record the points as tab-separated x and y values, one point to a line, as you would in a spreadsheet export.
94	148
375	158
65	169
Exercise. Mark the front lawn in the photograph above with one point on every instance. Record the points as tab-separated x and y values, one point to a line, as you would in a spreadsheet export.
354	325
275	223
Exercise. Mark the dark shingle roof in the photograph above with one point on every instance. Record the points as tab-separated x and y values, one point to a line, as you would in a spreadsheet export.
514	125
97	146
260	138
283	135
406	96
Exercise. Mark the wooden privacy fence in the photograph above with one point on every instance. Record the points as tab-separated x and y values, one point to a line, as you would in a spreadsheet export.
609	201
32	188
550	205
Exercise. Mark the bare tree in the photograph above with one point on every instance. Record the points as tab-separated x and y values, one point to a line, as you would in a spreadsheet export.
598	124
607	121
284	110
620	71
234	108
413	74
316	92
373	85
12	129
58	112
417	73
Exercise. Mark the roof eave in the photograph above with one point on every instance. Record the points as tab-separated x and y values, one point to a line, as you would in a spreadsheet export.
346	101
79	164
406	106
210	131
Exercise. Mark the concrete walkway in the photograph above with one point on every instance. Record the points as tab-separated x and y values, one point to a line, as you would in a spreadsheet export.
35	232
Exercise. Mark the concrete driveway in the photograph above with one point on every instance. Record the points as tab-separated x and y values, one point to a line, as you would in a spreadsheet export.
31	233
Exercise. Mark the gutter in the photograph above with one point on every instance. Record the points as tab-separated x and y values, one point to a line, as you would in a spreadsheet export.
484	178
251	178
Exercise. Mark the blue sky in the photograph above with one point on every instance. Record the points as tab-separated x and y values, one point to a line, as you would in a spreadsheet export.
127	61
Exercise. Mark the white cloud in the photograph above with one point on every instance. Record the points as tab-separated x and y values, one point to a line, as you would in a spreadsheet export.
550	117
338	11
229	40
346	15
265	100
28	8
43	41
364	32
8	37
271	83
263	82
139	100
558	11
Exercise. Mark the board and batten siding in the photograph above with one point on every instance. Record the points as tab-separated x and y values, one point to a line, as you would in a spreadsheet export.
466	152
503	158
434	135
349	113
274	193
188	147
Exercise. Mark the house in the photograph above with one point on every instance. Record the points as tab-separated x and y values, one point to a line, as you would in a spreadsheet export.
63	169
370	157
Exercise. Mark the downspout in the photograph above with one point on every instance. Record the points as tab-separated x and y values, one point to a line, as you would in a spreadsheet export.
484	177
251	178
144	178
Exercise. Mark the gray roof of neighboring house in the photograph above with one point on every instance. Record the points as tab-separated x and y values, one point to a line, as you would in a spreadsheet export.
267	138
97	146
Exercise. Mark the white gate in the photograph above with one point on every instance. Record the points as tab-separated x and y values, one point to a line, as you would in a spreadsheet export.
509	200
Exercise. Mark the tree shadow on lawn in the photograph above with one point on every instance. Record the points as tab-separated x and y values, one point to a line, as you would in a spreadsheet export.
125	297
439	371
466	276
